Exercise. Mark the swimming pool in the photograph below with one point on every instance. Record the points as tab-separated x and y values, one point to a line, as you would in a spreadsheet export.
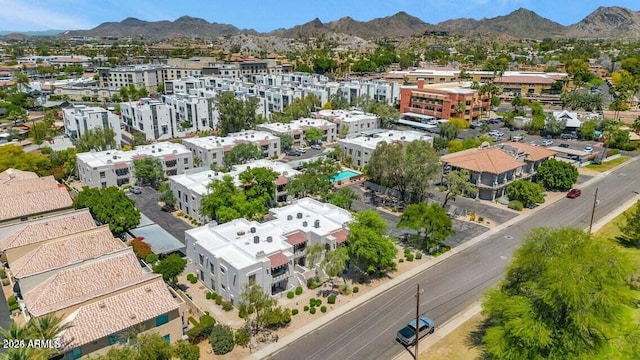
344	175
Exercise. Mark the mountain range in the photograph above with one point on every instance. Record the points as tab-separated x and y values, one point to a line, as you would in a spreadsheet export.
604	22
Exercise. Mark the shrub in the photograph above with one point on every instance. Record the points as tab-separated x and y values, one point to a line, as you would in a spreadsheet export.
314	283
214	295
409	257
331	299
401	260
315	302
208	295
312	310
227	306
480	219
3	274
14	307
472	217
202	329
356	289
294	312
180	214
221	339
442	188
5	282
515	205
219	300
290	295
306	308
418	255
612	152
298	290
344	289
407	251
12	300
192	278
323	309
151	259
140	248
242	337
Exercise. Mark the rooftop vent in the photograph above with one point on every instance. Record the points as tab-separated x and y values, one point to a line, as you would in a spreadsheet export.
209	176
153	151
108	153
269	239
148	289
304	224
153	146
102	305
240	233
299	215
132	316
316	224
114	157
253	230
289	217
256	239
403	137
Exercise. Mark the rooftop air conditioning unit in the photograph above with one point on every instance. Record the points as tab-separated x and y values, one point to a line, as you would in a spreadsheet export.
256	239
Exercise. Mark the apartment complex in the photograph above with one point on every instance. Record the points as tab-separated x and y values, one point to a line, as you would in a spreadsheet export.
115	168
79	119
24	196
147	76
211	149
229	256
190	187
444	101
149	117
192	112
492	169
296	129
359	149
350	121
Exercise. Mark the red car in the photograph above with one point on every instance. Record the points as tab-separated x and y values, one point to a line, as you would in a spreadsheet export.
574	193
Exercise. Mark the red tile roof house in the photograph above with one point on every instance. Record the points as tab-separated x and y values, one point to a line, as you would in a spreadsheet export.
67	266
24	195
492	169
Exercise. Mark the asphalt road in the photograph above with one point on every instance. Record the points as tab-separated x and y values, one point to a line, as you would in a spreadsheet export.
147	203
368	332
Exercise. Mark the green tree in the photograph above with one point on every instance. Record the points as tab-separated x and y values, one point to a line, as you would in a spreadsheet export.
255	302
96	140
565	296
109	206
148	171
221	339
335	262
259	184
557	175
313	135
631	228
13	157
588	129
315	180
185	351
343	197
368	246
242	153
338	101
45	327
553	126
286	141
454	146
166	195
458	183
170	267
139	139
431	223
299	108
447	131
39	132
235	114
526	192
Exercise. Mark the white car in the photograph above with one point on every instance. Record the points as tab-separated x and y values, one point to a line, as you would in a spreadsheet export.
588	149
547	143
301	150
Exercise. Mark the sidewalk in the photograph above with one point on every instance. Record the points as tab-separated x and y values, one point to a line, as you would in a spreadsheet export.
458	319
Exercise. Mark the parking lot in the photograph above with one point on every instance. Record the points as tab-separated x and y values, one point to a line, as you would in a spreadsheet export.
147	203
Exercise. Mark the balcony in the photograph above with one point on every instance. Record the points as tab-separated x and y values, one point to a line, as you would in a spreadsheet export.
281	276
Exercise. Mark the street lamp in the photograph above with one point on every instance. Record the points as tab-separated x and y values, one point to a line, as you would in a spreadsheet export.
418	292
596	202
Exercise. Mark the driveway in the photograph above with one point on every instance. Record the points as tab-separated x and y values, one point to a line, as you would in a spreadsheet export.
147	203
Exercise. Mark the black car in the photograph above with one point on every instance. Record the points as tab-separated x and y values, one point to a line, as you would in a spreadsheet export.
166	208
564	145
293	153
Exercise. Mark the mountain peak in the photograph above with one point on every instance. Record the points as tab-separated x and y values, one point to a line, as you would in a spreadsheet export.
190	19
131	21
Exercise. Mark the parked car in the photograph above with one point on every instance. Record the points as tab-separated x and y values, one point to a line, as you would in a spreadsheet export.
135	190
568	136
518	138
496	133
293	153
407	335
564	145
547	142
301	150
588	149
574	193
316	147
166	208
475	124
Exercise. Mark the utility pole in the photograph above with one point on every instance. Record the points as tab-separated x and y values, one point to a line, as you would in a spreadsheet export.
593	210
418	291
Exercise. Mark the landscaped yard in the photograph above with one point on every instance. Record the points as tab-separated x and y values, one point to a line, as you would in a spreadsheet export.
607	165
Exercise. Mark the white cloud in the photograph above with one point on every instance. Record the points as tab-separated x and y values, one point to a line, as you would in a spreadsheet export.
26	15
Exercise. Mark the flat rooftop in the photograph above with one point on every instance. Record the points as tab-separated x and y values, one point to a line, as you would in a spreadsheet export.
103	158
371	142
297	125
232	139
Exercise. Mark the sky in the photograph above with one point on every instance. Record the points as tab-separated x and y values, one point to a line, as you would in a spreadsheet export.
267	15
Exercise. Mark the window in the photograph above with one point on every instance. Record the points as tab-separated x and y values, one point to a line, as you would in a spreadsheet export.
252	278
113	338
76	353
102	175
213	285
211	268
162	319
167	338
201	275
186	161
222	269
104	185
223	287
201	259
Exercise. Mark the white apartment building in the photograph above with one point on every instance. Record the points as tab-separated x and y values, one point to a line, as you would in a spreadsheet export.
296	129
359	149
211	149
354	121
190	187
150	117
229	256
81	118
115	168
192	113
147	76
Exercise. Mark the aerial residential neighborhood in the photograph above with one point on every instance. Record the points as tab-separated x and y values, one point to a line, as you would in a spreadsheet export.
409	181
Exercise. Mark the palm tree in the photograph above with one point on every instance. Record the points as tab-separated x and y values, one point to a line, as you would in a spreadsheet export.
15	332
47	327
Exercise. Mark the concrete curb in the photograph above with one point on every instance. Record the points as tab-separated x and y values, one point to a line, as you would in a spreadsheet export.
319	323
